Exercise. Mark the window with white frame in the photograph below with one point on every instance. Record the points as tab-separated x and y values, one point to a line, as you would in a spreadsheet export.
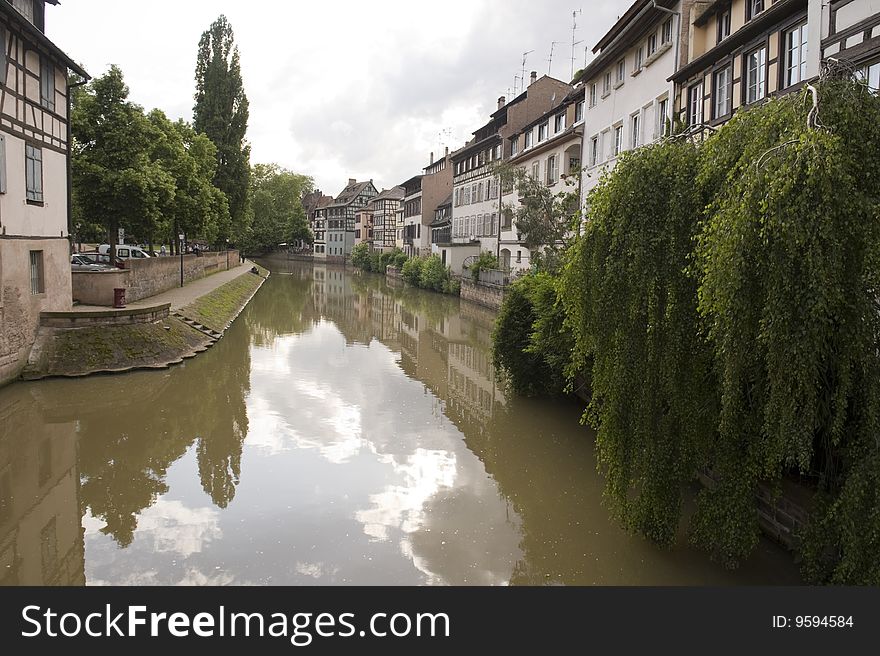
722	84
552	169
722	25
870	75
621	70
796	55
652	44
639	59
593	94
662	116
559	123
635	131
756	75
666	31
753	8
695	104
594	151
528	139
579	111
536	170
514	145
606	84
618	140
542	132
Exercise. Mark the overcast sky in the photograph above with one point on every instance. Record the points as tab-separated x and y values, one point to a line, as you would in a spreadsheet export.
339	89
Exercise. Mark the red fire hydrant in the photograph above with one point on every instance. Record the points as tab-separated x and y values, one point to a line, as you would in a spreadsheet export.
119	297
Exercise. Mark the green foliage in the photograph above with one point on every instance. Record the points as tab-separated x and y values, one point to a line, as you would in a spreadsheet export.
632	307
221	112
547	221
531	345
434	275
400	258
117	183
790	265
276	201
196	208
485	260
360	256
412	271
376	262
724	297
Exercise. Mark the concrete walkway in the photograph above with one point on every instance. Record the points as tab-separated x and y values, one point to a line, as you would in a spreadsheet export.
179	296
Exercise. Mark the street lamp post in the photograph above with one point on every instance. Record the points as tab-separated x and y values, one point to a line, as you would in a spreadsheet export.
180	237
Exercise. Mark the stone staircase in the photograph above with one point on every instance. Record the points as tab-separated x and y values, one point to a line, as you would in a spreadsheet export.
213	334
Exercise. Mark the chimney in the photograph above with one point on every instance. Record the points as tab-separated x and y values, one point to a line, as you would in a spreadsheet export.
432	158
501	102
351	181
533	77
447	152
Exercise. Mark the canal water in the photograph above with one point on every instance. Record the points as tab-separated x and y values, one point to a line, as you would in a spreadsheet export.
344	431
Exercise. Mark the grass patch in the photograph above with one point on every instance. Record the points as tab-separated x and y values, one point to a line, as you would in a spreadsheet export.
115	347
218	308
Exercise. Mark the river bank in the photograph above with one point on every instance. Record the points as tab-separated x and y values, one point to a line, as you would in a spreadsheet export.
190	323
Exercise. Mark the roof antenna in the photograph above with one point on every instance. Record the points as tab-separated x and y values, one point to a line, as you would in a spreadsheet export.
550	59
573	42
523	76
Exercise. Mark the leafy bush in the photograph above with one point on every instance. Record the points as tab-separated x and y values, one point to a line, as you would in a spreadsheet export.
485	260
434	274
400	258
360	256
376	263
530	344
412	271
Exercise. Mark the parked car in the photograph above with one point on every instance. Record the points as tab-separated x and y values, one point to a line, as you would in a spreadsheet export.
124	251
79	262
101	258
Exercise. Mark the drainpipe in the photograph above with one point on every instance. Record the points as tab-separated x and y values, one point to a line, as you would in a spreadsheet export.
70	230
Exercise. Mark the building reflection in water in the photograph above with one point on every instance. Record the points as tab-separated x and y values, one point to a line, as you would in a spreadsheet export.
345	430
41	539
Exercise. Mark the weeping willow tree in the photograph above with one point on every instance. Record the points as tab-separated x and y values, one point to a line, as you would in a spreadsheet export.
632	304
789	261
728	297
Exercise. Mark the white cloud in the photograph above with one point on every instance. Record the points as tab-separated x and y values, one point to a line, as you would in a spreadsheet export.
338	89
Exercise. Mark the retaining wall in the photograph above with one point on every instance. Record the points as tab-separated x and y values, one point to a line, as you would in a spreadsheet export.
147	277
482	293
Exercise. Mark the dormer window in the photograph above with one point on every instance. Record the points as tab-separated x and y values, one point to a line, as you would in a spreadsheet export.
723	28
753	8
542	132
25	8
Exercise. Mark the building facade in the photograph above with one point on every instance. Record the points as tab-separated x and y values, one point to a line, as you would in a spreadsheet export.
412	216
385	208
476	199
549	150
627	90
339	218
742	52
850	33
35	223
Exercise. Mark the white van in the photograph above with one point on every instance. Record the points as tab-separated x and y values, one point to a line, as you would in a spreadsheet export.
124	251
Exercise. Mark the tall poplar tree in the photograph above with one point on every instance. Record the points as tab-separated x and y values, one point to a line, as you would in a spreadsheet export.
221	112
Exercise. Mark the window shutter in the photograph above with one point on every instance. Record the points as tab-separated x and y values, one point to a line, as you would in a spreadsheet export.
3	56
2	164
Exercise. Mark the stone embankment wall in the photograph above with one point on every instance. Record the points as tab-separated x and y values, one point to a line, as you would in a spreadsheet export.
482	293
147	277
